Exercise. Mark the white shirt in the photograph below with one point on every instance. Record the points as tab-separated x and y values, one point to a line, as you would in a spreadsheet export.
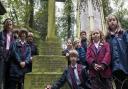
8	41
97	44
76	75
22	42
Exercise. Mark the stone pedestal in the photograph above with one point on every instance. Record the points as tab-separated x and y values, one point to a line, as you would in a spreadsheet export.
40	80
50	48
47	67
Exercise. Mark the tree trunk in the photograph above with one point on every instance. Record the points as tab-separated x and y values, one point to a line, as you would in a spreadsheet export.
69	26
31	18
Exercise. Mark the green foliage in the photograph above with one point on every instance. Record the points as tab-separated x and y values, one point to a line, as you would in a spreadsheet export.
124	23
0	22
18	10
41	20
121	12
106	7
22	12
66	22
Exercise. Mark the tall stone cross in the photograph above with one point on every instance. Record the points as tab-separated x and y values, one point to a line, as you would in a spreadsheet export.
51	20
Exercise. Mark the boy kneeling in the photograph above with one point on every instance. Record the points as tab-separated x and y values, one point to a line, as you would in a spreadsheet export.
75	75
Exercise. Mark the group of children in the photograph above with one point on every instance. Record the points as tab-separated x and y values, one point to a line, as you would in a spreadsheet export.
91	65
96	63
16	50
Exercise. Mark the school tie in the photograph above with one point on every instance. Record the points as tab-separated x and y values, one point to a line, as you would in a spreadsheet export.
96	50
23	52
73	78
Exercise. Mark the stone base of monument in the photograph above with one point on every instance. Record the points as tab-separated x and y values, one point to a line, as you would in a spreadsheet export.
49	63
47	67
46	70
50	48
39	80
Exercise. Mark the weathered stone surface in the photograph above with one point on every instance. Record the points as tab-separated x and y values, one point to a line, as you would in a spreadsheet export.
49	63
50	51
50	48
39	80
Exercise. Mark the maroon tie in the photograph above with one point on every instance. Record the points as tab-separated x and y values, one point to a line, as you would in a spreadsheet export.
73	79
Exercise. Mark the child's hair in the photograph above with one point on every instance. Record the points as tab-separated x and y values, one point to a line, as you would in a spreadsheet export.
73	53
102	39
76	40
69	39
5	21
30	34
82	32
23	31
118	22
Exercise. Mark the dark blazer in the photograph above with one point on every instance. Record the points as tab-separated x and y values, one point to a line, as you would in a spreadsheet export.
15	68
33	47
4	56
84	44
3	45
102	56
82	73
120	53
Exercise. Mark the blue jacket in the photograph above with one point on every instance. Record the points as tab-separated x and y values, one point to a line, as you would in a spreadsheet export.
119	51
84	44
82	55
19	56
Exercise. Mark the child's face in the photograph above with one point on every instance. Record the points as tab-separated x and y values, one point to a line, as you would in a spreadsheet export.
77	44
83	35
23	36
112	22
30	38
69	44
96	35
73	59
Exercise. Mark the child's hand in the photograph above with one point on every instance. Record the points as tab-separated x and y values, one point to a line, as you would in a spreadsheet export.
102	66
97	67
67	54
22	64
48	87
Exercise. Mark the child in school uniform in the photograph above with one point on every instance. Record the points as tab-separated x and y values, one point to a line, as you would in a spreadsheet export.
99	58
18	65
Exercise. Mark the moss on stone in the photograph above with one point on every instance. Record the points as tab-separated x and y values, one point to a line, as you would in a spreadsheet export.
50	48
46	63
39	80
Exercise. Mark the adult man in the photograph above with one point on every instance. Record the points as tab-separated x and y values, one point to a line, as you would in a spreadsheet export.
6	39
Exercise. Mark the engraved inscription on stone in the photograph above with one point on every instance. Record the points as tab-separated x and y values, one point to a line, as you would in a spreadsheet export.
40	81
49	64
